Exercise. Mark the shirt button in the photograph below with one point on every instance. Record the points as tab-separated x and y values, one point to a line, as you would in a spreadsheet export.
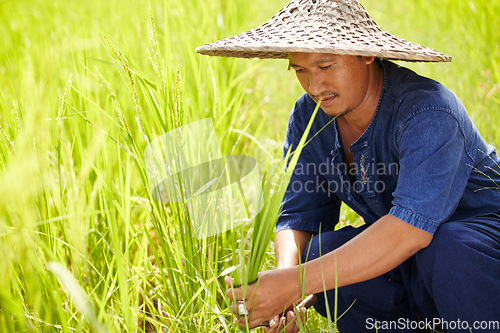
332	152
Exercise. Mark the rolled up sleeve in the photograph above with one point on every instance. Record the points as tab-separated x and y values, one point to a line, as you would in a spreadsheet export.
434	169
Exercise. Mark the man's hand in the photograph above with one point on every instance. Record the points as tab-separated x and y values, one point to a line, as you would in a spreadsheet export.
268	295
274	292
289	322
378	249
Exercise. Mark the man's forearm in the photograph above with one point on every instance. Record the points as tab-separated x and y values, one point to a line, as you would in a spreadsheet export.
378	249
289	246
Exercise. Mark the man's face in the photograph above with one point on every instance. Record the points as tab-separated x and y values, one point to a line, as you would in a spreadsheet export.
341	81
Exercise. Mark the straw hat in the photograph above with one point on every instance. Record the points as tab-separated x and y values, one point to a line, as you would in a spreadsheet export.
320	26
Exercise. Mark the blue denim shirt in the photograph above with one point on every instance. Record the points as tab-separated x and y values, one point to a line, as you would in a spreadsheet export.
421	159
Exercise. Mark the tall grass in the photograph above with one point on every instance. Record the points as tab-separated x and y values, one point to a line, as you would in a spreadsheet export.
85	86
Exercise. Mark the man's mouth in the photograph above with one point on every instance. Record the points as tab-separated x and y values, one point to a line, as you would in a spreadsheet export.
327	100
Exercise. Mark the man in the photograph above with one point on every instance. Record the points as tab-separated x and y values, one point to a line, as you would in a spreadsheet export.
401	151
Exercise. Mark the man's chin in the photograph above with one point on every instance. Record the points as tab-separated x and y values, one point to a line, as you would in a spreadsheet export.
335	113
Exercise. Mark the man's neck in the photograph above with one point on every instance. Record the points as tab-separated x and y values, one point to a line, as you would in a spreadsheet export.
357	121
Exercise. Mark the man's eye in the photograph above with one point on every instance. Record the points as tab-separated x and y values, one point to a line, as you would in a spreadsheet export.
298	70
325	67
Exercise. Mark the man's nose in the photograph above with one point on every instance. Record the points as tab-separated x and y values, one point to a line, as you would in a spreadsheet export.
316	84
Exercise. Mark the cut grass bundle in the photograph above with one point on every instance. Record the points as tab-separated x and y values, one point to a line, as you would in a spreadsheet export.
273	196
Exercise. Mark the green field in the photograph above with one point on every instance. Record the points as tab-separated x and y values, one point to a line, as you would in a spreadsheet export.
85	85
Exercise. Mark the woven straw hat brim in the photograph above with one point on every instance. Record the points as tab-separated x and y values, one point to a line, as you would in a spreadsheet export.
341	27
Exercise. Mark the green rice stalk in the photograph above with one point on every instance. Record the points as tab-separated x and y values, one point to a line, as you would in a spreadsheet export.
132	84
77	294
266	220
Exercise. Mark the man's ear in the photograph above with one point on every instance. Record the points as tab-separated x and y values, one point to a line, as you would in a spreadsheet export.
369	60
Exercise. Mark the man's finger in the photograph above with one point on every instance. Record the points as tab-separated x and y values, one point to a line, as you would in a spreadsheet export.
273	323
233	309
232	293
279	325
229	281
249	322
291	322
282	324
290	316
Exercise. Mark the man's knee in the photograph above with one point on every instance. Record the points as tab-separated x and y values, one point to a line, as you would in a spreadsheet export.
460	270
456	246
461	255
